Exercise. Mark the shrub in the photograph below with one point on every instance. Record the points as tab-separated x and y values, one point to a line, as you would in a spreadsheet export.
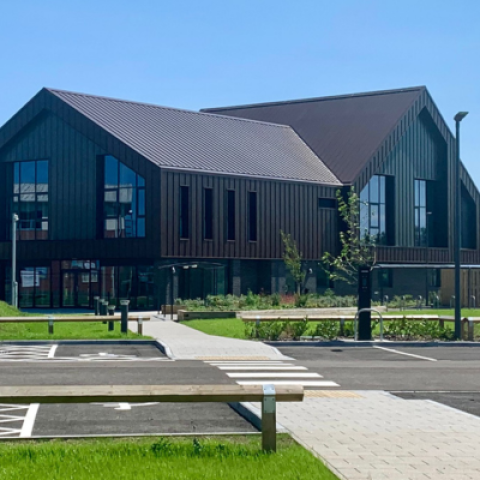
327	329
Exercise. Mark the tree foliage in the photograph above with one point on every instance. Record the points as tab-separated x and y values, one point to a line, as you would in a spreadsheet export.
356	250
293	260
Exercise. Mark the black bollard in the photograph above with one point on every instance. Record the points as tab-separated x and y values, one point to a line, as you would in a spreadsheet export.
111	313
96	305
124	311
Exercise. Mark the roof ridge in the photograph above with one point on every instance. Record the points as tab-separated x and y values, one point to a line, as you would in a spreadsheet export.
152	105
317	99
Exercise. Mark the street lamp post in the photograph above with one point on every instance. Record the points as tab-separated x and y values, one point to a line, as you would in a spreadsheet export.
14	261
458	234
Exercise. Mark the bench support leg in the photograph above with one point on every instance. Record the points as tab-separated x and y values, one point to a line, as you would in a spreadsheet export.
471	331
269	419
140	326
111	326
50	326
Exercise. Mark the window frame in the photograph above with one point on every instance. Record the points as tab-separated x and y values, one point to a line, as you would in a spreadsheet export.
230	220
208	213
252	233
137	219
15	202
184	212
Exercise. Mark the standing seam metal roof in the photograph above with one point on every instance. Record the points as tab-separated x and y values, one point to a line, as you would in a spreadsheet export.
205	142
344	131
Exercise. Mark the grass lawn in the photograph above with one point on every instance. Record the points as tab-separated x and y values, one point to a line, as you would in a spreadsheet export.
232	458
223	327
63	330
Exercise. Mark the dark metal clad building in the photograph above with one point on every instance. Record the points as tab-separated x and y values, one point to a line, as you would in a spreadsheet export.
111	194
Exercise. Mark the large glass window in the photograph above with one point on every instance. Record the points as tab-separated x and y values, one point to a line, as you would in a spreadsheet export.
123	201
252	216
208	214
184	212
34	287
230	220
373	212
421	236
30	199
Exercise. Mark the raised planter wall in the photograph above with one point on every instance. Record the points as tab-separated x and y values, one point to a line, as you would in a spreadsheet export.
168	308
186	315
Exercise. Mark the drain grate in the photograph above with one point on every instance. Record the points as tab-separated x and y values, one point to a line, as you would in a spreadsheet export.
331	394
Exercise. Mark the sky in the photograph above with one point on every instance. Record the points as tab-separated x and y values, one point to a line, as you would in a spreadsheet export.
194	54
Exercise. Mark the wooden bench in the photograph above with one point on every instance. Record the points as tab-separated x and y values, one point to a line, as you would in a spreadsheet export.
268	395
51	319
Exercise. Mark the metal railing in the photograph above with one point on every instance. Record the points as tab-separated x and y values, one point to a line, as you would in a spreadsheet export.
355	321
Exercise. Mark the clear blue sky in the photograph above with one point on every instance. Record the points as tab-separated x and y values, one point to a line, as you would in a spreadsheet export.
193	54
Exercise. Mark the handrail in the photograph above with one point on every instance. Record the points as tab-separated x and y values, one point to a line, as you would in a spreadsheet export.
355	321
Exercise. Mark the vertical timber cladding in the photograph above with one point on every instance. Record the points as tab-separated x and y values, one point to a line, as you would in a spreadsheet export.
281	205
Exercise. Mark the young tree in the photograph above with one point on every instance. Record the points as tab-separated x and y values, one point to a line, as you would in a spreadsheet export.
356	247
293	260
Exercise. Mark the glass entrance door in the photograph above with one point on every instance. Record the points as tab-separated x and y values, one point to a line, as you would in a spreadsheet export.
76	288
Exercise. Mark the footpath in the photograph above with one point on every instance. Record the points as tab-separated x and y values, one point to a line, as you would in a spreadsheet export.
360	435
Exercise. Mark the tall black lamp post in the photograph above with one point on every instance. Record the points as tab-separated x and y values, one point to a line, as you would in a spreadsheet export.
458	225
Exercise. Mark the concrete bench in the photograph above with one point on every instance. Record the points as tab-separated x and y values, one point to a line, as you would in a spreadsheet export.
51	319
268	395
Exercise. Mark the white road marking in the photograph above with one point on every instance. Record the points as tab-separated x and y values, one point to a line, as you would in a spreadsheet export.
305	383
52	351
29	421
218	364
407	354
273	375
259	367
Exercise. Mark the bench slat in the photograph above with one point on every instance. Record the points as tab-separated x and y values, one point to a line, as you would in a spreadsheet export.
144	393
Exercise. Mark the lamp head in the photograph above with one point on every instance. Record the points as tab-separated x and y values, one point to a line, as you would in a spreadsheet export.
460	116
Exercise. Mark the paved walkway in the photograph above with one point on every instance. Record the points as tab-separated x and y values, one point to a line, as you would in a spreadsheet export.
372	435
185	343
364	435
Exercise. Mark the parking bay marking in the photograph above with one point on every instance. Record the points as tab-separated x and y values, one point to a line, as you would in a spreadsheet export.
407	354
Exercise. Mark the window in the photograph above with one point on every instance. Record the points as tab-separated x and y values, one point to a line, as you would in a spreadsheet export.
252	216
435	278
230	221
30	199
385	278
34	287
123	201
421	237
373	211
327	203
184	212
208	214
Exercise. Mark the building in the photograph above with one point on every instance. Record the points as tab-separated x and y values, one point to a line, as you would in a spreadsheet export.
130	200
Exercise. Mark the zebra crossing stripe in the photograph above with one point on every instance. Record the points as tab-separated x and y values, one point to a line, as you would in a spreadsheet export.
305	383
260	367
273	375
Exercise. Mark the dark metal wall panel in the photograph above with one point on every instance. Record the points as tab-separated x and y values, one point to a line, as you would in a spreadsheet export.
292	207
421	153
72	170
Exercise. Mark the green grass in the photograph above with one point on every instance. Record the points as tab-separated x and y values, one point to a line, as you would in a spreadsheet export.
236	458
9	311
63	331
223	327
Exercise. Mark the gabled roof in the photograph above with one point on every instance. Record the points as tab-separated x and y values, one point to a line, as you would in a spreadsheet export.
344	131
203	142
